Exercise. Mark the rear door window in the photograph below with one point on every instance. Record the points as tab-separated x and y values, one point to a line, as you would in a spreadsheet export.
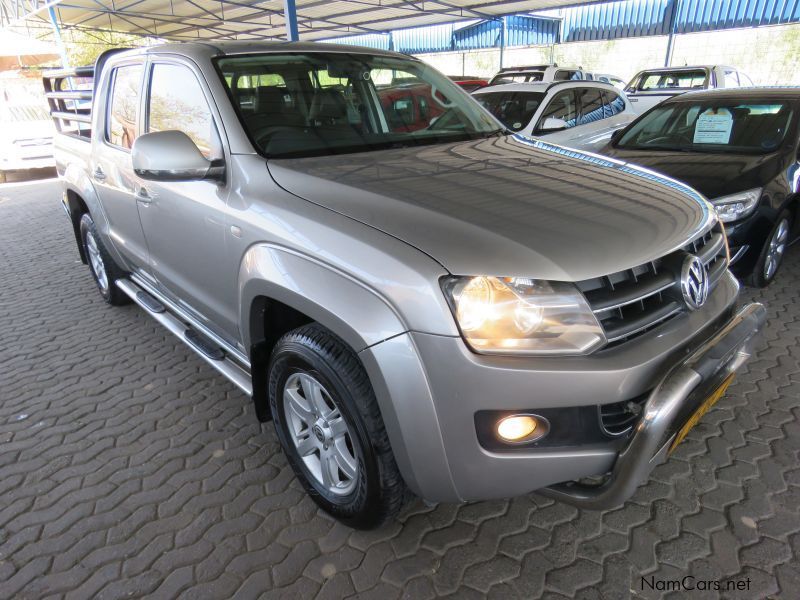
591	105
613	104
122	125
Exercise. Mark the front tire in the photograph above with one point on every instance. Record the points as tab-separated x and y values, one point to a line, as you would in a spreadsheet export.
771	257
103	268
329	425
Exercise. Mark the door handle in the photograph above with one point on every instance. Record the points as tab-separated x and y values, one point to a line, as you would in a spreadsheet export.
99	175
143	196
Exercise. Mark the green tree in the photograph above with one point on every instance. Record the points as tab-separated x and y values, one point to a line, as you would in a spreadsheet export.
83	47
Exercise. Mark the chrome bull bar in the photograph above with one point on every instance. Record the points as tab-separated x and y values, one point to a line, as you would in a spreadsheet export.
704	370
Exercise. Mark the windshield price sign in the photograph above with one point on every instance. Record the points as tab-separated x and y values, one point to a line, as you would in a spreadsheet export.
713	127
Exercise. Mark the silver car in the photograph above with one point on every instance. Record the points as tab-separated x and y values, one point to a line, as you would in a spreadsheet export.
419	302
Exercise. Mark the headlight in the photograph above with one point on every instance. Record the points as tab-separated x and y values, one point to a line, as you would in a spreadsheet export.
736	206
523	316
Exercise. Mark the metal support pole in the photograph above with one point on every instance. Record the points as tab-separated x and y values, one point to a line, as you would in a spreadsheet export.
290	16
502	39
57	32
672	8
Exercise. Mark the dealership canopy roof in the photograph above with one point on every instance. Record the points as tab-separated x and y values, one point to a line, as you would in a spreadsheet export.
253	19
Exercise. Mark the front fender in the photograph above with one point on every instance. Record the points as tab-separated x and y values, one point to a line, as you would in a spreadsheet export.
362	318
348	307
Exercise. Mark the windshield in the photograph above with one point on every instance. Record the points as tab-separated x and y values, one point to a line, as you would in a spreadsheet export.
711	126
514	109
671	80
332	103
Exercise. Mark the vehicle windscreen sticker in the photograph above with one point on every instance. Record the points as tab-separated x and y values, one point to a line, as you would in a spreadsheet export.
713	127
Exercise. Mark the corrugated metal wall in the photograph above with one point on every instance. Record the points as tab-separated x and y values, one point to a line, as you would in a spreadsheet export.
694	15
370	40
434	38
602	21
635	18
521	30
628	18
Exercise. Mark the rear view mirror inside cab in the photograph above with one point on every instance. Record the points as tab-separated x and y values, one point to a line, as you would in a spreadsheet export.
343	70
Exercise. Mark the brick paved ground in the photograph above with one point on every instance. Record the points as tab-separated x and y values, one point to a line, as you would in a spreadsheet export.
128	468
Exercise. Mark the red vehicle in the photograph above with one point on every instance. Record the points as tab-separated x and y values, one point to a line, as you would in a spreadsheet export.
410	106
468	83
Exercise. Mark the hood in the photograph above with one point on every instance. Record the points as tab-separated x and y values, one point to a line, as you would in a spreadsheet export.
713	175
506	206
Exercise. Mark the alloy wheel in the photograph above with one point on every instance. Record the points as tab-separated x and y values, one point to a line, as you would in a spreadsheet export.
320	434
96	261
776	248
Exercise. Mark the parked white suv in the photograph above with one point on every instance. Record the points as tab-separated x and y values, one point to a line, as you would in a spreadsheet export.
579	114
26	136
653	86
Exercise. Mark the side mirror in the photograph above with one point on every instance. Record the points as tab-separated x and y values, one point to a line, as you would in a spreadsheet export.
172	156
553	124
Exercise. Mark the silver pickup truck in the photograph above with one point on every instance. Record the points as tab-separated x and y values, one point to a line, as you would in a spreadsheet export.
418	300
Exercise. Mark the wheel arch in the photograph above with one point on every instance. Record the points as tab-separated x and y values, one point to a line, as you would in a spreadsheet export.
791	204
77	208
80	197
281	289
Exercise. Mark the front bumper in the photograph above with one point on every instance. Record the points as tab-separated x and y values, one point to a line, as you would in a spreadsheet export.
16	162
431	387
666	409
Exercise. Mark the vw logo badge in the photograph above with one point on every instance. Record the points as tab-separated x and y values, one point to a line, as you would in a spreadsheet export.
694	282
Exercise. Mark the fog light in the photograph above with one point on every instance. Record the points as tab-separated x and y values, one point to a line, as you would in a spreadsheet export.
517	428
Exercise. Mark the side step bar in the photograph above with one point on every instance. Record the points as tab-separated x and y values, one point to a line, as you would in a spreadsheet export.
203	347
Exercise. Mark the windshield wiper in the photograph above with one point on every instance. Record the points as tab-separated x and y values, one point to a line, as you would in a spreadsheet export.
659	148
498	132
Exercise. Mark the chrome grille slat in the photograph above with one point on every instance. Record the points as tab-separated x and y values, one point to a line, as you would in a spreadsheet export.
631	302
660	318
658	286
711	250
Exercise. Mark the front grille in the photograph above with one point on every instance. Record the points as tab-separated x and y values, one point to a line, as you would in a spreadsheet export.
632	302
